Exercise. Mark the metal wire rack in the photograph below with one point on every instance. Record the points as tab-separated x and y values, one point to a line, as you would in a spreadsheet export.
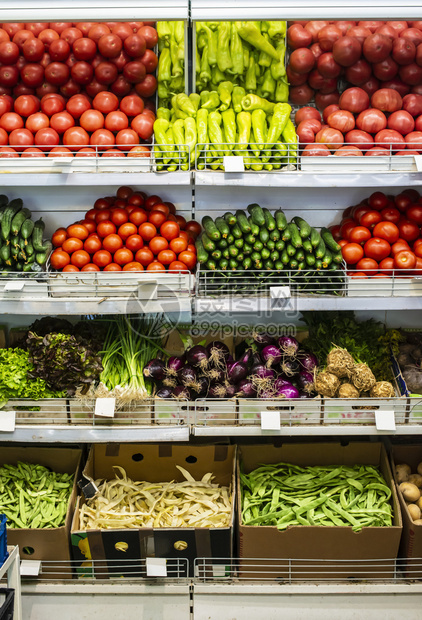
253	157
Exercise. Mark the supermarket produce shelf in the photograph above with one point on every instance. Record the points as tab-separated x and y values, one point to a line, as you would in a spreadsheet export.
95	434
59	178
327	430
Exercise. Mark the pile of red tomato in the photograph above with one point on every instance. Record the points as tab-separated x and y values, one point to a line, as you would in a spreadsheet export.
80	85
127	232
385	128
369	54
381	234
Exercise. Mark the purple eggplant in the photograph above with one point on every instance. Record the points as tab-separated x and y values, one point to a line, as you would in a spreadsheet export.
271	355
237	372
164	392
197	356
155	369
246	357
288	345
246	389
262	372
308	361
181	392
187	375
279	383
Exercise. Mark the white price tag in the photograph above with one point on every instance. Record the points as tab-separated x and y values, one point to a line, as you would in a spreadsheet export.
10	287
219	570
156	567
270	420
233	163
7	421
418	162
105	407
280	292
30	568
385	421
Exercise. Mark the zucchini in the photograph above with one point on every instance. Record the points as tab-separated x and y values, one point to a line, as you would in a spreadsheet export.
291	251
229	218
257	214
254	227
236	232
209	245
264	235
210	228
222	227
37	234
242	222
238	243
315	237
269	220
280	219
320	249
304	227
8	214
295	239
329	240
18	220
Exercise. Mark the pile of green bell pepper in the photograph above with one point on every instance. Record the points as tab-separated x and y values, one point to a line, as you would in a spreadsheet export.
247	54
171	62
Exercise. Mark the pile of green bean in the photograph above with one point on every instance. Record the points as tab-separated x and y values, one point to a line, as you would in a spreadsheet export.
32	496
283	494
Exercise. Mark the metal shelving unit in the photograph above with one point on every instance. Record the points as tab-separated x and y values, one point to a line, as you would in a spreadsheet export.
10	570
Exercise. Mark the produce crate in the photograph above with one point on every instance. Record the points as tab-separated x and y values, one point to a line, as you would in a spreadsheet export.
295	411
334	163
362	410
311	543
411	541
7	602
138	412
155	463
171	410
212	411
15	286
394	285
49	410
3	539
46	544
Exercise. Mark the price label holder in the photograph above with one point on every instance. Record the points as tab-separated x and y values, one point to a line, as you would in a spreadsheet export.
270	421
418	162
13	287
7	421
30	568
233	163
156	567
385	421
280	297
105	407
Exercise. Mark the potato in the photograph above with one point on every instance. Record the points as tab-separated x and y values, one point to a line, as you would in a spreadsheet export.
417	522
415	511
410	491
415	479
419	469
419	503
402	472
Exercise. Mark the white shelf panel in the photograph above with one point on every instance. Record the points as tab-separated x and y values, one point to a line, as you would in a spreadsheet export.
91	10
95	434
313	430
254	305
212	10
76	179
307	179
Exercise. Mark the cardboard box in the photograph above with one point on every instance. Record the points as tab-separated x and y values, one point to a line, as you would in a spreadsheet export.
318	543
46	544
154	463
411	541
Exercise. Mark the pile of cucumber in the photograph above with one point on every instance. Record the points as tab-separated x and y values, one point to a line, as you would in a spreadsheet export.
21	239
259	240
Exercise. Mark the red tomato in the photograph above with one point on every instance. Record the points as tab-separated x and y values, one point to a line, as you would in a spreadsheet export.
89	224
342	120
188	258
414	214
331	137
193	228
354	100
409	231
59	259
307	113
70	268
370	219
138	199
163	208
368	266
92	244
359	234
400	245
116	121
157	244
106	228
346	227
112	267
178	245
390	138
387	263
170	230
166	257
90	267
377	248
52	103
126	138
72	244
156	266
157	218
134	242
59	237
91	120
390	214
119	216
371	121
102	139
80	258
377	201
61	121
386	230
105	102
78	230
147	231
401	121
138	216
133	266
144	256
112	242
405	259
177	265
123	256
143	125
102	258
126	230
351	252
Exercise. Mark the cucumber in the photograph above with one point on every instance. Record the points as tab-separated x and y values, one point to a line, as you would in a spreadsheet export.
280	245
320	249
257	214
269	220
5	253
211	265
37	234
233	264
19	266
327	259
230	239
18	220
310	259
209	245
226	253
254	227
269	265
291	251
247	262
258	265
315	237
264	235
3	200
223	244
293	264
318	264
216	254
307	246
300	255
240	257
236	232
247	249
255	257
274	256
265	254
258	246
210	228
229	218
242	222
286	236
14	251
295	239
285	258
275	234
301	266
338	258
280	219
238	243
30	260
2	210
41	257
8	215
250	239
279	265
222	227
27	267
329	240
304	228
223	264
270	244
233	251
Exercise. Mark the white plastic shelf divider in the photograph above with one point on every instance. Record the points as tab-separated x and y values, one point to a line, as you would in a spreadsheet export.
91	10
334	430
214	10
81	179
11	569
95	434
